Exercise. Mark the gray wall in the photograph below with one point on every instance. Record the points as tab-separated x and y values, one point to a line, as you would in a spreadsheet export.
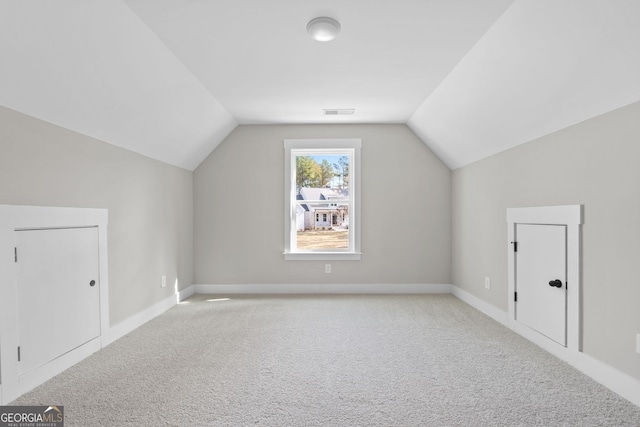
239	210
595	163
421	223
150	203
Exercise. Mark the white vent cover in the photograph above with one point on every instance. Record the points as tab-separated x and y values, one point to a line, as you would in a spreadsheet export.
338	112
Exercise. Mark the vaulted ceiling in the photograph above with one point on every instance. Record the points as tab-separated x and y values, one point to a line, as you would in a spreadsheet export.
170	79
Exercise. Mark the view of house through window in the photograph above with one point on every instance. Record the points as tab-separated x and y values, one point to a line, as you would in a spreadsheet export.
322	200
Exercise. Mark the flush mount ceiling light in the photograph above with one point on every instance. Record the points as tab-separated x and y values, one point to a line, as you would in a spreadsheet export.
323	29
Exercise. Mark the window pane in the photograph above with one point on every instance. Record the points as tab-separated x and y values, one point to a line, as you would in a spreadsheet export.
322	200
317	239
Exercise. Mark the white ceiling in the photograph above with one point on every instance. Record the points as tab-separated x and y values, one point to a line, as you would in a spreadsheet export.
170	79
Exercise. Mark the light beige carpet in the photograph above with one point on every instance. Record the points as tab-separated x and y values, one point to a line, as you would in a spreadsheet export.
328	361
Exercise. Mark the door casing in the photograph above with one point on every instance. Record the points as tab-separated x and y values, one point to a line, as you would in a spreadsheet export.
12	219
572	217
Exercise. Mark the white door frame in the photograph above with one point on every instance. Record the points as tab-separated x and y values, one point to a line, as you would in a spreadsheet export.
572	217
14	218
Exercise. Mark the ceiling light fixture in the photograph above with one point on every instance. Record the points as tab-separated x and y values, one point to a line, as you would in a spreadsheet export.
323	29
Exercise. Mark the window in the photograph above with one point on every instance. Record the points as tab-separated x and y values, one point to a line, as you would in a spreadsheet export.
322	199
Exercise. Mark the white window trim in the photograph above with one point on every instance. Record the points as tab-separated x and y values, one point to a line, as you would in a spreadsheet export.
289	191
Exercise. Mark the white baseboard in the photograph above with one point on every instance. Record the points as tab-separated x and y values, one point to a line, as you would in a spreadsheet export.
139	319
186	293
356	288
621	383
32	379
482	306
37	376
615	380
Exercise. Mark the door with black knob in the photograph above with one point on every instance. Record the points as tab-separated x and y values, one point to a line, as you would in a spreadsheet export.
541	269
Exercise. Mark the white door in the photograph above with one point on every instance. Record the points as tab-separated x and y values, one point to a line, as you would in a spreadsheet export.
58	293
541	269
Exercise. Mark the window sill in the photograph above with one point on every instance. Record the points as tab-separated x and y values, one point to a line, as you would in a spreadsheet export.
322	256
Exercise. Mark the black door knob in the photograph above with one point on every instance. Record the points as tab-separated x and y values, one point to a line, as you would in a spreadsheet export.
556	283
92	283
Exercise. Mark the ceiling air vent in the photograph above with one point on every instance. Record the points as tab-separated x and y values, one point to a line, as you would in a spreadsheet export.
339	112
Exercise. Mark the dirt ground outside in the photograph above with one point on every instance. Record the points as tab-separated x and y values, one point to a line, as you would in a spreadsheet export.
327	239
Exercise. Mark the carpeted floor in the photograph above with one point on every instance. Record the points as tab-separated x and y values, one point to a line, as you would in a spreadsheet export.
427	360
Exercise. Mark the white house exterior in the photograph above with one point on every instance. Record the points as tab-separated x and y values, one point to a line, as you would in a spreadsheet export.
326	209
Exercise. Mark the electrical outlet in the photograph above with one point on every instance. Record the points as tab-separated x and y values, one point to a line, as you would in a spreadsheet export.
487	282
638	343
164	281
327	268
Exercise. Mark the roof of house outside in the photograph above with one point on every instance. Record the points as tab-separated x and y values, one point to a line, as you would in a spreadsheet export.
312	193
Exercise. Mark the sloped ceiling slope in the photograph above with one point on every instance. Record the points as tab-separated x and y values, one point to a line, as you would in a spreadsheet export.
170	79
95	68
544	66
